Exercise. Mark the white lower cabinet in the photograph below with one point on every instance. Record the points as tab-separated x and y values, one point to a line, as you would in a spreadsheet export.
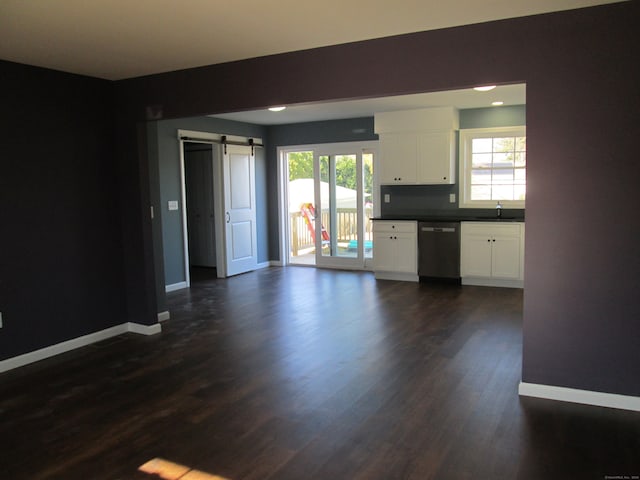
492	254
395	250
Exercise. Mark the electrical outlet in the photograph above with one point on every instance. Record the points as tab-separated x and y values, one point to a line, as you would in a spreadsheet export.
387	198
452	198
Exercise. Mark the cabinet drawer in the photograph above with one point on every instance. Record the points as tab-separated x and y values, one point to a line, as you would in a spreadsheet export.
491	228
397	227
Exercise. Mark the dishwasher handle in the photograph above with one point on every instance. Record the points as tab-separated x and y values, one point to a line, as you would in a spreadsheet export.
438	229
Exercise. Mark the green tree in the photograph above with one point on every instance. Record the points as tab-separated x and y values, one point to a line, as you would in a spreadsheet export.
346	172
367	160
300	165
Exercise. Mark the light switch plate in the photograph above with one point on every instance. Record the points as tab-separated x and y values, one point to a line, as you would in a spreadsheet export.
173	205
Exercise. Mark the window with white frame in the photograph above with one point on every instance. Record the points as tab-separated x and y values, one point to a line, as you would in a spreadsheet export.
493	167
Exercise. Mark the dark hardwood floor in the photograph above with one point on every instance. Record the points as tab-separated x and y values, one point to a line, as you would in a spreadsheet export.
300	373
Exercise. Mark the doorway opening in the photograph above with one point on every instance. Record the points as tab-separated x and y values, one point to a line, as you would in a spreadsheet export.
327	204
218	203
199	181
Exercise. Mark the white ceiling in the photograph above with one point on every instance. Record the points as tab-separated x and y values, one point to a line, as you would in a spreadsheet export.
116	39
469	98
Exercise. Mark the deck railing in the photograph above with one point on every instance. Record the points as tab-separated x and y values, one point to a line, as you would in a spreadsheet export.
347	226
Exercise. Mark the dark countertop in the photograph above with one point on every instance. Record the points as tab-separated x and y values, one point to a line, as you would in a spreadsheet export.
450	218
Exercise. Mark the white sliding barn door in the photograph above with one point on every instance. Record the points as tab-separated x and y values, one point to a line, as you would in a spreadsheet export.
240	210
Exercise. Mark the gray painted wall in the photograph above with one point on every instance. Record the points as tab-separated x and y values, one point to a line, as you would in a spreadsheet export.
507	116
166	155
434	199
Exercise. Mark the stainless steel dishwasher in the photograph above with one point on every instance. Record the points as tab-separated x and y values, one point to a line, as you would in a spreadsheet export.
439	249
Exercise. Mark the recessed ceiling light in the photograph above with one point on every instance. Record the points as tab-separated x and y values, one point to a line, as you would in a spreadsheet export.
497	104
276	109
485	88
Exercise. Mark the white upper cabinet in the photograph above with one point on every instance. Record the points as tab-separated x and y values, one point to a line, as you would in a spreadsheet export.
398	158
436	157
417	146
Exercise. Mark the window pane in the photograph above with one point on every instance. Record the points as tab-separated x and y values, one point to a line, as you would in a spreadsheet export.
502	176
480	192
300	165
502	192
326	202
300	194
324	168
346	208
481	145
367	164
503	160
505	144
481	160
482	177
495	167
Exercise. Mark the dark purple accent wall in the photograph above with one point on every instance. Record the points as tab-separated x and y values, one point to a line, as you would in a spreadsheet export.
61	267
135	198
582	313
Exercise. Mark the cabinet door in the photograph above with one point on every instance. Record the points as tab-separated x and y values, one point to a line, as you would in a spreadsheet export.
475	254
398	162
505	261
436	163
383	252
406	257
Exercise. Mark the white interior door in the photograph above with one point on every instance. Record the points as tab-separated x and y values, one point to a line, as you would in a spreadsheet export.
240	209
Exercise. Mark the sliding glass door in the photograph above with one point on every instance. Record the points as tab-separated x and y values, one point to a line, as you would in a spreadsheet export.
330	203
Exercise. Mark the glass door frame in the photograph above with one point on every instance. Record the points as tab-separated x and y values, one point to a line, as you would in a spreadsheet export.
360	262
333	260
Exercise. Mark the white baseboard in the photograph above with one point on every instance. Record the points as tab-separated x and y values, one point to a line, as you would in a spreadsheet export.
175	286
164	316
264	265
599	399
275	263
83	341
141	329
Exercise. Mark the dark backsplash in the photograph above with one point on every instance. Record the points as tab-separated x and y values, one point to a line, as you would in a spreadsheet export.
430	200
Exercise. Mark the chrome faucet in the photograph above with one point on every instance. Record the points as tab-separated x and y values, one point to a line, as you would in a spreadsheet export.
498	210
